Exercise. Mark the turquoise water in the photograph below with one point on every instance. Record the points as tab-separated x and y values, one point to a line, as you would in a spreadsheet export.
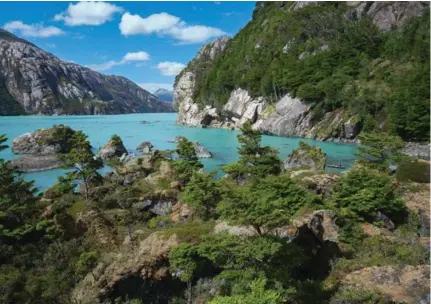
160	128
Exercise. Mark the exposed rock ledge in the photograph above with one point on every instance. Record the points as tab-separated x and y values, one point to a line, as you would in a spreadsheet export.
287	117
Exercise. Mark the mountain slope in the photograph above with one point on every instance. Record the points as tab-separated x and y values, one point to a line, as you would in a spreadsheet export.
33	81
322	70
164	94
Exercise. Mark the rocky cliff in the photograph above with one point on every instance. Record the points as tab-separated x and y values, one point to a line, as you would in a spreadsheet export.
33	81
228	82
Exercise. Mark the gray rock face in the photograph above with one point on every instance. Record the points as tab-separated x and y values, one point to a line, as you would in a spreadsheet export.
146	147
112	149
306	157
43	84
387	14
417	150
201	152
31	163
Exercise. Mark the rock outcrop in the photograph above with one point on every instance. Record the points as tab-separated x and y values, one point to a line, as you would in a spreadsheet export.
306	157
417	150
40	148
141	263
277	114
402	285
145	147
113	148
37	82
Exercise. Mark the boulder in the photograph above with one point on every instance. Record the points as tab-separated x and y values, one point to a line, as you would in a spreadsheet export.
113	148
306	157
321	223
400	284
181	213
201	151
321	184
156	205
145	147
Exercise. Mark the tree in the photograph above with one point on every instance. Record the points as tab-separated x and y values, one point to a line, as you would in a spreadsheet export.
254	160
17	203
87	261
365	192
188	160
258	294
82	159
203	193
264	204
379	150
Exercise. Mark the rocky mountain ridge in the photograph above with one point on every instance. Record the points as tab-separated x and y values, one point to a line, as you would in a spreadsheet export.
33	81
165	95
281	114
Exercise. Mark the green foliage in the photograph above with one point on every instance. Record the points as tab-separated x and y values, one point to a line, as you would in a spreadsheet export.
87	261
254	160
82	159
258	295
116	140
415	171
379	150
317	54
264	204
202	193
365	192
188	161
352	295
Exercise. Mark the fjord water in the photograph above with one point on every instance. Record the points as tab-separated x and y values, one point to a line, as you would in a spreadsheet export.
159	129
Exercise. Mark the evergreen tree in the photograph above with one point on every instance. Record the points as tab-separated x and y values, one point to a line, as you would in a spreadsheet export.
203	193
379	150
188	161
254	160
83	161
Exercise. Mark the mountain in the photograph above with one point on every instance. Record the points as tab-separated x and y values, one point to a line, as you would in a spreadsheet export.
321	70
33	81
166	95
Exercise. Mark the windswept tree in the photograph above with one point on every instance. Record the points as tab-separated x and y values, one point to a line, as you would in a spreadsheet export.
17	202
263	204
203	193
85	164
254	160
380	150
188	161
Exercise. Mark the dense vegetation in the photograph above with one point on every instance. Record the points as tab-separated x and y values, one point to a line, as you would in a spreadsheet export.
48	248
329	61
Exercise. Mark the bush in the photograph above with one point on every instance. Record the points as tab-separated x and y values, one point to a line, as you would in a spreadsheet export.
414	171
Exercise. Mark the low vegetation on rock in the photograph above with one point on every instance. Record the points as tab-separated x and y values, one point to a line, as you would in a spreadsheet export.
157	230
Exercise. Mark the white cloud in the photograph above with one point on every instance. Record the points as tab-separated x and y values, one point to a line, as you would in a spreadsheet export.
131	56
152	87
166	24
33	30
156	23
137	56
195	33
169	68
88	13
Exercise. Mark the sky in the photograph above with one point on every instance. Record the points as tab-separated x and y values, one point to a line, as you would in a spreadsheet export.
146	42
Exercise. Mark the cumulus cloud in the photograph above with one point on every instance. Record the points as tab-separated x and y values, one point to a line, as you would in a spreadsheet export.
137	56
88	13
32	30
169	25
131	56
153	87
169	68
156	23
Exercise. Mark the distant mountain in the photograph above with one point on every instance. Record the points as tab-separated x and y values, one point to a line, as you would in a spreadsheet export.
33	81
165	95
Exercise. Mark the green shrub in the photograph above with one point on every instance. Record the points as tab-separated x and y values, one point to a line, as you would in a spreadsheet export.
414	171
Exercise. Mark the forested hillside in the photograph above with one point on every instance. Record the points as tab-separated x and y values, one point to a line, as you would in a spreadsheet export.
330	55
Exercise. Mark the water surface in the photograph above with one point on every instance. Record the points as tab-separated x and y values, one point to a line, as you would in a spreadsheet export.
159	130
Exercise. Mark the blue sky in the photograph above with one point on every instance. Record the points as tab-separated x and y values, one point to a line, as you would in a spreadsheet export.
147	42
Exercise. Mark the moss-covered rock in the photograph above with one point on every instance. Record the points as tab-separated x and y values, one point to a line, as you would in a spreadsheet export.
306	157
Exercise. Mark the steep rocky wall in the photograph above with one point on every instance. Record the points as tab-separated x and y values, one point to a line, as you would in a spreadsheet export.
288	116
43	84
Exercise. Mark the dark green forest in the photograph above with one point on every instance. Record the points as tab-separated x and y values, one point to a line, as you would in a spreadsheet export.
330	61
